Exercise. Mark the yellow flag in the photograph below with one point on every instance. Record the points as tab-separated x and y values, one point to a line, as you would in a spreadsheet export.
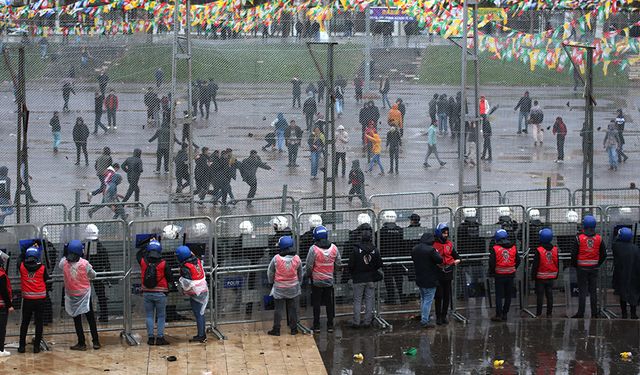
605	67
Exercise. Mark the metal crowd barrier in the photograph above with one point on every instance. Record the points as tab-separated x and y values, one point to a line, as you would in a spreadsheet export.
488	197
539	197
194	232
161	209
343	202
565	233
402	200
400	294
605	197
240	278
38	213
107	255
106	211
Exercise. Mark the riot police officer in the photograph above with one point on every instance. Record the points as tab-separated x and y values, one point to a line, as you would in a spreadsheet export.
588	254
391	240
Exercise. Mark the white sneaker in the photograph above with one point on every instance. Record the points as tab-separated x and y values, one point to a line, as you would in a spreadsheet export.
115	128
5	354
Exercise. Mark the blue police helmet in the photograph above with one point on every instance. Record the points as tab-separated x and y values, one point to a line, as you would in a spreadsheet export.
546	235
75	247
154	245
589	222
441	228
320	233
625	234
183	253
285	242
500	234
32	252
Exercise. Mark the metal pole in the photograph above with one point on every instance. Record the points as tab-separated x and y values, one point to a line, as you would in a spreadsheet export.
187	30
588	108
332	124
463	111
330	130
174	99
476	102
367	49
77	206
20	132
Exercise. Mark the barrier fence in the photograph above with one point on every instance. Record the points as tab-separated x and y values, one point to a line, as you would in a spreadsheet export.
539	197
38	213
236	257
107	211
469	199
402	200
605	197
160	209
343	202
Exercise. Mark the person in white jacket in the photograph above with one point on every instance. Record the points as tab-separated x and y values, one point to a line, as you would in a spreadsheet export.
342	138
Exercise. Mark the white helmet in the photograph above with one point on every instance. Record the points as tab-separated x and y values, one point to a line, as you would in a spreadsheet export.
572	217
504	211
279	222
364	219
91	232
389	217
199	230
171	232
315	220
625	211
246	227
534	214
469	212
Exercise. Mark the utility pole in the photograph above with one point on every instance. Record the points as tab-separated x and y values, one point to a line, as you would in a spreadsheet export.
181	52
467	56
367	49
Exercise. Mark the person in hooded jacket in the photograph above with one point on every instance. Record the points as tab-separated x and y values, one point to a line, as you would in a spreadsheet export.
6	296
544	270
394	141
626	271
391	240
503	262
364	265
155	296
425	262
280	125
285	273
33	281
356	180
78	273
322	259
248	170
587	255
133	167
193	284
450	259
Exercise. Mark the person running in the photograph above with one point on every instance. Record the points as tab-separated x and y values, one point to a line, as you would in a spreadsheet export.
376	149
133	167
432	148
356	180
248	171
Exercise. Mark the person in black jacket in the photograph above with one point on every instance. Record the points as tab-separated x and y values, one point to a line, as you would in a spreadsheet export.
364	265
503	262
391	240
133	167
162	152
181	161
425	261
293	139
98	102
486	136
309	109
626	271
394	141
80	135
202	173
248	170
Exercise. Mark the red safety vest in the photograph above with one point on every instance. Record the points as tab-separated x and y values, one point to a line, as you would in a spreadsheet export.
484	107
4	303
445	250
505	260
76	281
32	284
161	285
323	264
286	272
548	266
196	271
588	250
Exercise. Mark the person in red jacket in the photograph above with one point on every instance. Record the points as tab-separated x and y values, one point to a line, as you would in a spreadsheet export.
111	105
560	131
450	258
154	290
33	281
544	270
5	301
503	262
587	255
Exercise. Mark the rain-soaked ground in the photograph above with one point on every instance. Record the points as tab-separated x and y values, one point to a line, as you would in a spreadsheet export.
526	345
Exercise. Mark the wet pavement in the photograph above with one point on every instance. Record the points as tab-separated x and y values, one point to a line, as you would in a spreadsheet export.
527	346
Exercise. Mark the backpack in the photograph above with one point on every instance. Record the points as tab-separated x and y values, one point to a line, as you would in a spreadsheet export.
150	279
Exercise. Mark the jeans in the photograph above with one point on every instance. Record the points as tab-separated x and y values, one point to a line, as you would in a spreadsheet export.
544	288
385	100
376	160
522	118
560	140
155	306
315	160
196	307
293	155
339	106
292	312
504	288
613	156
442	122
587	283
280	139
426	299
56	139
322	296
6	210
366	290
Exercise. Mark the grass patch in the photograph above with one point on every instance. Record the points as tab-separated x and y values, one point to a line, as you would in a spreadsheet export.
34	67
441	66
